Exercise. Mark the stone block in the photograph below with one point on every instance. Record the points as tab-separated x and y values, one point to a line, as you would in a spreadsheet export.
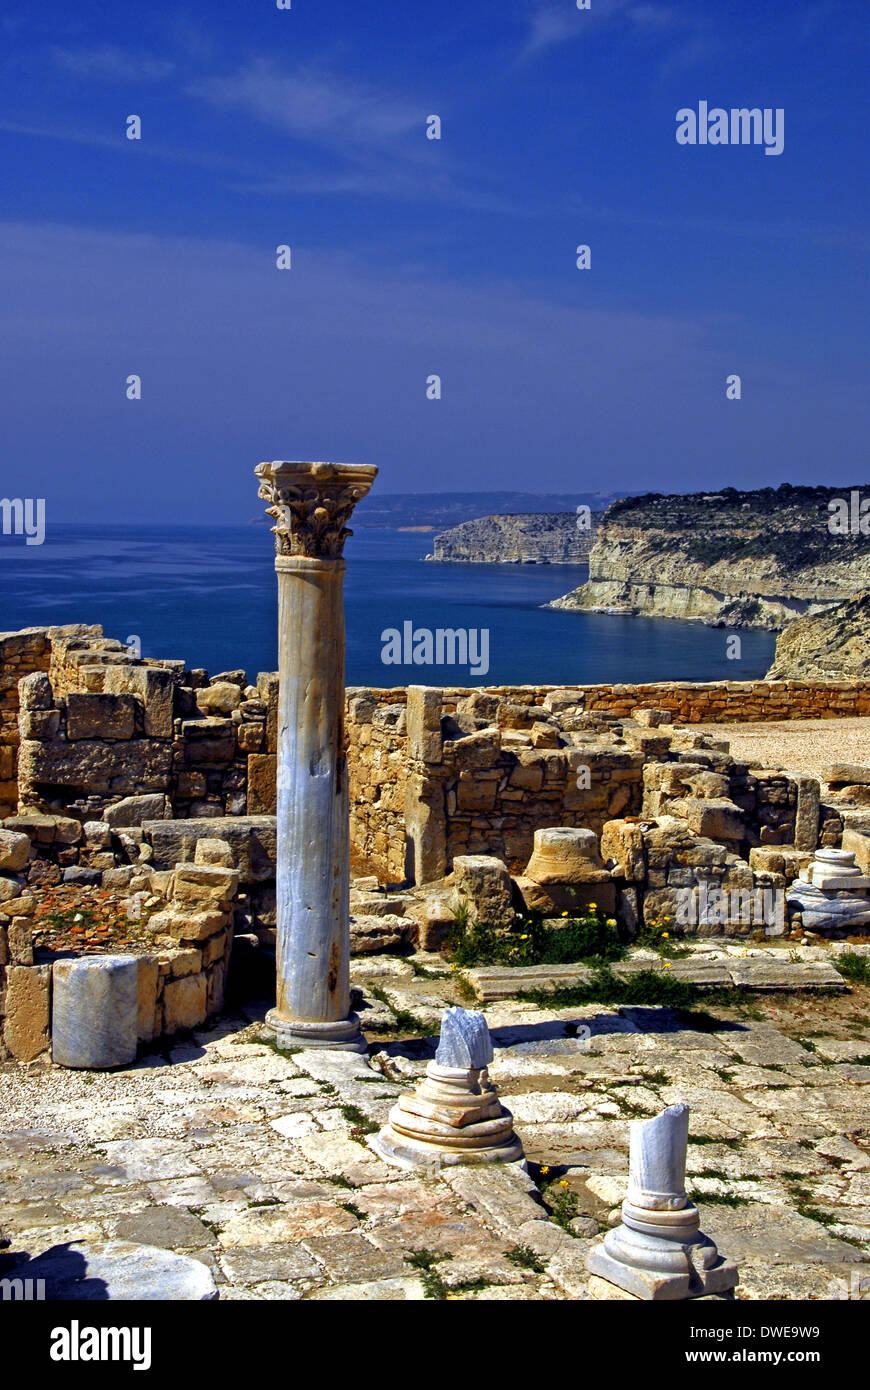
40	723
183	960
221	697
719	819
267	689
118	1270
34	691
96	766
251	840
19	936
95	1011
576	899
26	1026
187	926
806	825
621	847
205	884
110	717
650	718
262	784
250	736
213	851
146	1004
155	688
14	851
184	1003
485	884
209	741
847	773
135	810
425	829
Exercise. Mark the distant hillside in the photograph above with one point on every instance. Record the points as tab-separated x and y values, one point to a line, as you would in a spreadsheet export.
527	538
439	510
834	645
753	559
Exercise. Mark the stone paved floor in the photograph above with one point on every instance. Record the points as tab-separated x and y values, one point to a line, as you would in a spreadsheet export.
257	1163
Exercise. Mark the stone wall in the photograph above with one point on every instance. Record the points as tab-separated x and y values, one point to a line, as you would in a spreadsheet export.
183	966
105	728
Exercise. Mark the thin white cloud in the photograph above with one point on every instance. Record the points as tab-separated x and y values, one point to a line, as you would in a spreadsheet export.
108	63
322	108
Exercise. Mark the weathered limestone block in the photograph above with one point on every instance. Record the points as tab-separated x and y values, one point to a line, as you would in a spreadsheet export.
267	689
210	741
95	1008
250	736
14	851
213	851
221	697
262	784
25	1029
716	819
135	810
40	723
205	885
146	1002
108	717
622	850
650	718
485	884
124	767
155	688
34	692
563	854
369	935
187	926
185	1003
528	772
852	774
577	899
19	938
806	824
454	1115
251	840
423	710
425	828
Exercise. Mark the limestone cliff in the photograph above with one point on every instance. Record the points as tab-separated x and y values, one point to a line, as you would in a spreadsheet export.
834	645
737	559
539	538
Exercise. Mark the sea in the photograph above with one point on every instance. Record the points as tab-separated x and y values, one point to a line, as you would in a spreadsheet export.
208	595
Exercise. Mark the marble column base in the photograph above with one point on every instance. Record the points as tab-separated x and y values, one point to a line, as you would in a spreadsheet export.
661	1255
453	1116
344	1035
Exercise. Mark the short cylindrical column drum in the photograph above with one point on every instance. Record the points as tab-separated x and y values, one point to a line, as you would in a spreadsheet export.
94	1008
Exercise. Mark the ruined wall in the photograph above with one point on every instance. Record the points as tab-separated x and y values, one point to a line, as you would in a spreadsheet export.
106	727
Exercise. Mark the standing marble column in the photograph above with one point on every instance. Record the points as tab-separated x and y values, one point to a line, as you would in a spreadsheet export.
311	504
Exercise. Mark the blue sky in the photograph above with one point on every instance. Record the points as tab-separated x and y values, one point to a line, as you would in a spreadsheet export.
308	127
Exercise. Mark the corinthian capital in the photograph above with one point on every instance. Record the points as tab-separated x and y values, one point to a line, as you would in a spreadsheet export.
311	504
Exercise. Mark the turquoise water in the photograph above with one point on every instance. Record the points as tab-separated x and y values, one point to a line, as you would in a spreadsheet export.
207	594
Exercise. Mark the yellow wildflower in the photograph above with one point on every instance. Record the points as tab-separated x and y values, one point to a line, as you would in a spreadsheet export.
592	907
611	921
665	935
564	914
667	965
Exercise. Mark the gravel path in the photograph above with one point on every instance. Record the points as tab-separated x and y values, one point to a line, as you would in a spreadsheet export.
801	745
